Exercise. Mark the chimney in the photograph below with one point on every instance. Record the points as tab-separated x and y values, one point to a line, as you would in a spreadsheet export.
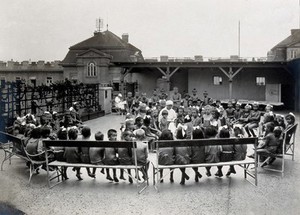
293	31
125	37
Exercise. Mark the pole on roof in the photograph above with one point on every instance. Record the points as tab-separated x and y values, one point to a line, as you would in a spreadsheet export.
239	39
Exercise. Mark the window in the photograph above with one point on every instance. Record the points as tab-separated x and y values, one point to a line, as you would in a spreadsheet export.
293	54
260	81
91	71
32	82
49	81
2	81
116	86
218	80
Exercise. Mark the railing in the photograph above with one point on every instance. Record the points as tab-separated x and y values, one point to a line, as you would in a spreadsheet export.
205	59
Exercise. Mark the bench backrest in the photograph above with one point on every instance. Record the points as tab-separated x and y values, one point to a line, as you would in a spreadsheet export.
206	142
289	133
18	144
90	143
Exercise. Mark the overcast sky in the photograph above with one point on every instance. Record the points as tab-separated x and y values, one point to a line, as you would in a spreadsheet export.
45	29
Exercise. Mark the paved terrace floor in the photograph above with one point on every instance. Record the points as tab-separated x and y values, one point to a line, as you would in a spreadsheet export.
273	195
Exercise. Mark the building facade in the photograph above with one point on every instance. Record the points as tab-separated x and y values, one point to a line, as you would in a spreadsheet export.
113	62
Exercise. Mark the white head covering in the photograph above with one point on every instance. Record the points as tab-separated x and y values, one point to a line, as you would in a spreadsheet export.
169	102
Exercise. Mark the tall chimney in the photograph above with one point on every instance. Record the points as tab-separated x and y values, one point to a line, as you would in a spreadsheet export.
125	37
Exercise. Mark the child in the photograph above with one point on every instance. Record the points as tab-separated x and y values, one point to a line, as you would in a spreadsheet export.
110	156
96	153
215	121
253	120
227	151
230	111
197	153
244	118
182	155
71	153
196	120
240	150
267	117
84	155
141	152
151	134
212	153
180	116
238	112
268	145
185	100
290	120
138	122
125	155
206	117
166	155
164	124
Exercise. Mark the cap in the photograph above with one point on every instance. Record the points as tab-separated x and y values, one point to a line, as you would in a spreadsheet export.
120	95
169	102
255	104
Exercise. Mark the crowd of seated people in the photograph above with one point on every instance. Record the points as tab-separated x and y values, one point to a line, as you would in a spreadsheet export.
173	117
160	117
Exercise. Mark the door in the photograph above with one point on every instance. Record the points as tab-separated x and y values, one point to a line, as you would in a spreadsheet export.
273	92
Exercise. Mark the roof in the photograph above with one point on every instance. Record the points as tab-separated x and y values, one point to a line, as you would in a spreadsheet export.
105	42
290	40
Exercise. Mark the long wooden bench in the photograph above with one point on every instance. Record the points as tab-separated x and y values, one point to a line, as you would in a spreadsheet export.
101	144
245	164
14	146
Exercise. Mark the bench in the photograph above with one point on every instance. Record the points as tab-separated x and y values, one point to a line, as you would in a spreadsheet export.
101	144
15	147
288	148
12	146
245	164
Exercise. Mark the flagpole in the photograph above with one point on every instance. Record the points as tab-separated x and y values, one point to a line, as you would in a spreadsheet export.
239	38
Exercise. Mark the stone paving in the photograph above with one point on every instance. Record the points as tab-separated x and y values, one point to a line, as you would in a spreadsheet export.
273	195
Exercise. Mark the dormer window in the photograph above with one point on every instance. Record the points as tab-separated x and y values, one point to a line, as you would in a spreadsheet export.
91	69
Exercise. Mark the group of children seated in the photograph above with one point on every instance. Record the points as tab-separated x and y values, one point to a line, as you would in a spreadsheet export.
165	120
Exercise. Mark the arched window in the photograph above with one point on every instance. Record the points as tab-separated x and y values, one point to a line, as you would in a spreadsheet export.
92	70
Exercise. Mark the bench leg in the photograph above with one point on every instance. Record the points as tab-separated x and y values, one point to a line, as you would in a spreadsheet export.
7	156
31	170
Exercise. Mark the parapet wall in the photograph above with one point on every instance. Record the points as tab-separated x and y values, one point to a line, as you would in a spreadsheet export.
26	65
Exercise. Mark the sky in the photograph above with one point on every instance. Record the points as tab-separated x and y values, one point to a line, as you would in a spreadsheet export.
45	29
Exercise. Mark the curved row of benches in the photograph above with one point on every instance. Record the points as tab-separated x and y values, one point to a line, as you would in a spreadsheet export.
15	147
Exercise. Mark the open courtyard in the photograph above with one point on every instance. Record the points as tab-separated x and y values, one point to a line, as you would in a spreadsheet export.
228	195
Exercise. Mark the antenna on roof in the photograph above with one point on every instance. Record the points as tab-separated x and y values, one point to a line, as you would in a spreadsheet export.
99	24
107	21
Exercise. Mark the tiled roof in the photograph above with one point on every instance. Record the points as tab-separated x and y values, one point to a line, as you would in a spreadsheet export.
106	42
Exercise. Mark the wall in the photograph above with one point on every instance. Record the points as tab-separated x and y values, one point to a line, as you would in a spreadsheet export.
294	67
26	71
202	80
243	85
